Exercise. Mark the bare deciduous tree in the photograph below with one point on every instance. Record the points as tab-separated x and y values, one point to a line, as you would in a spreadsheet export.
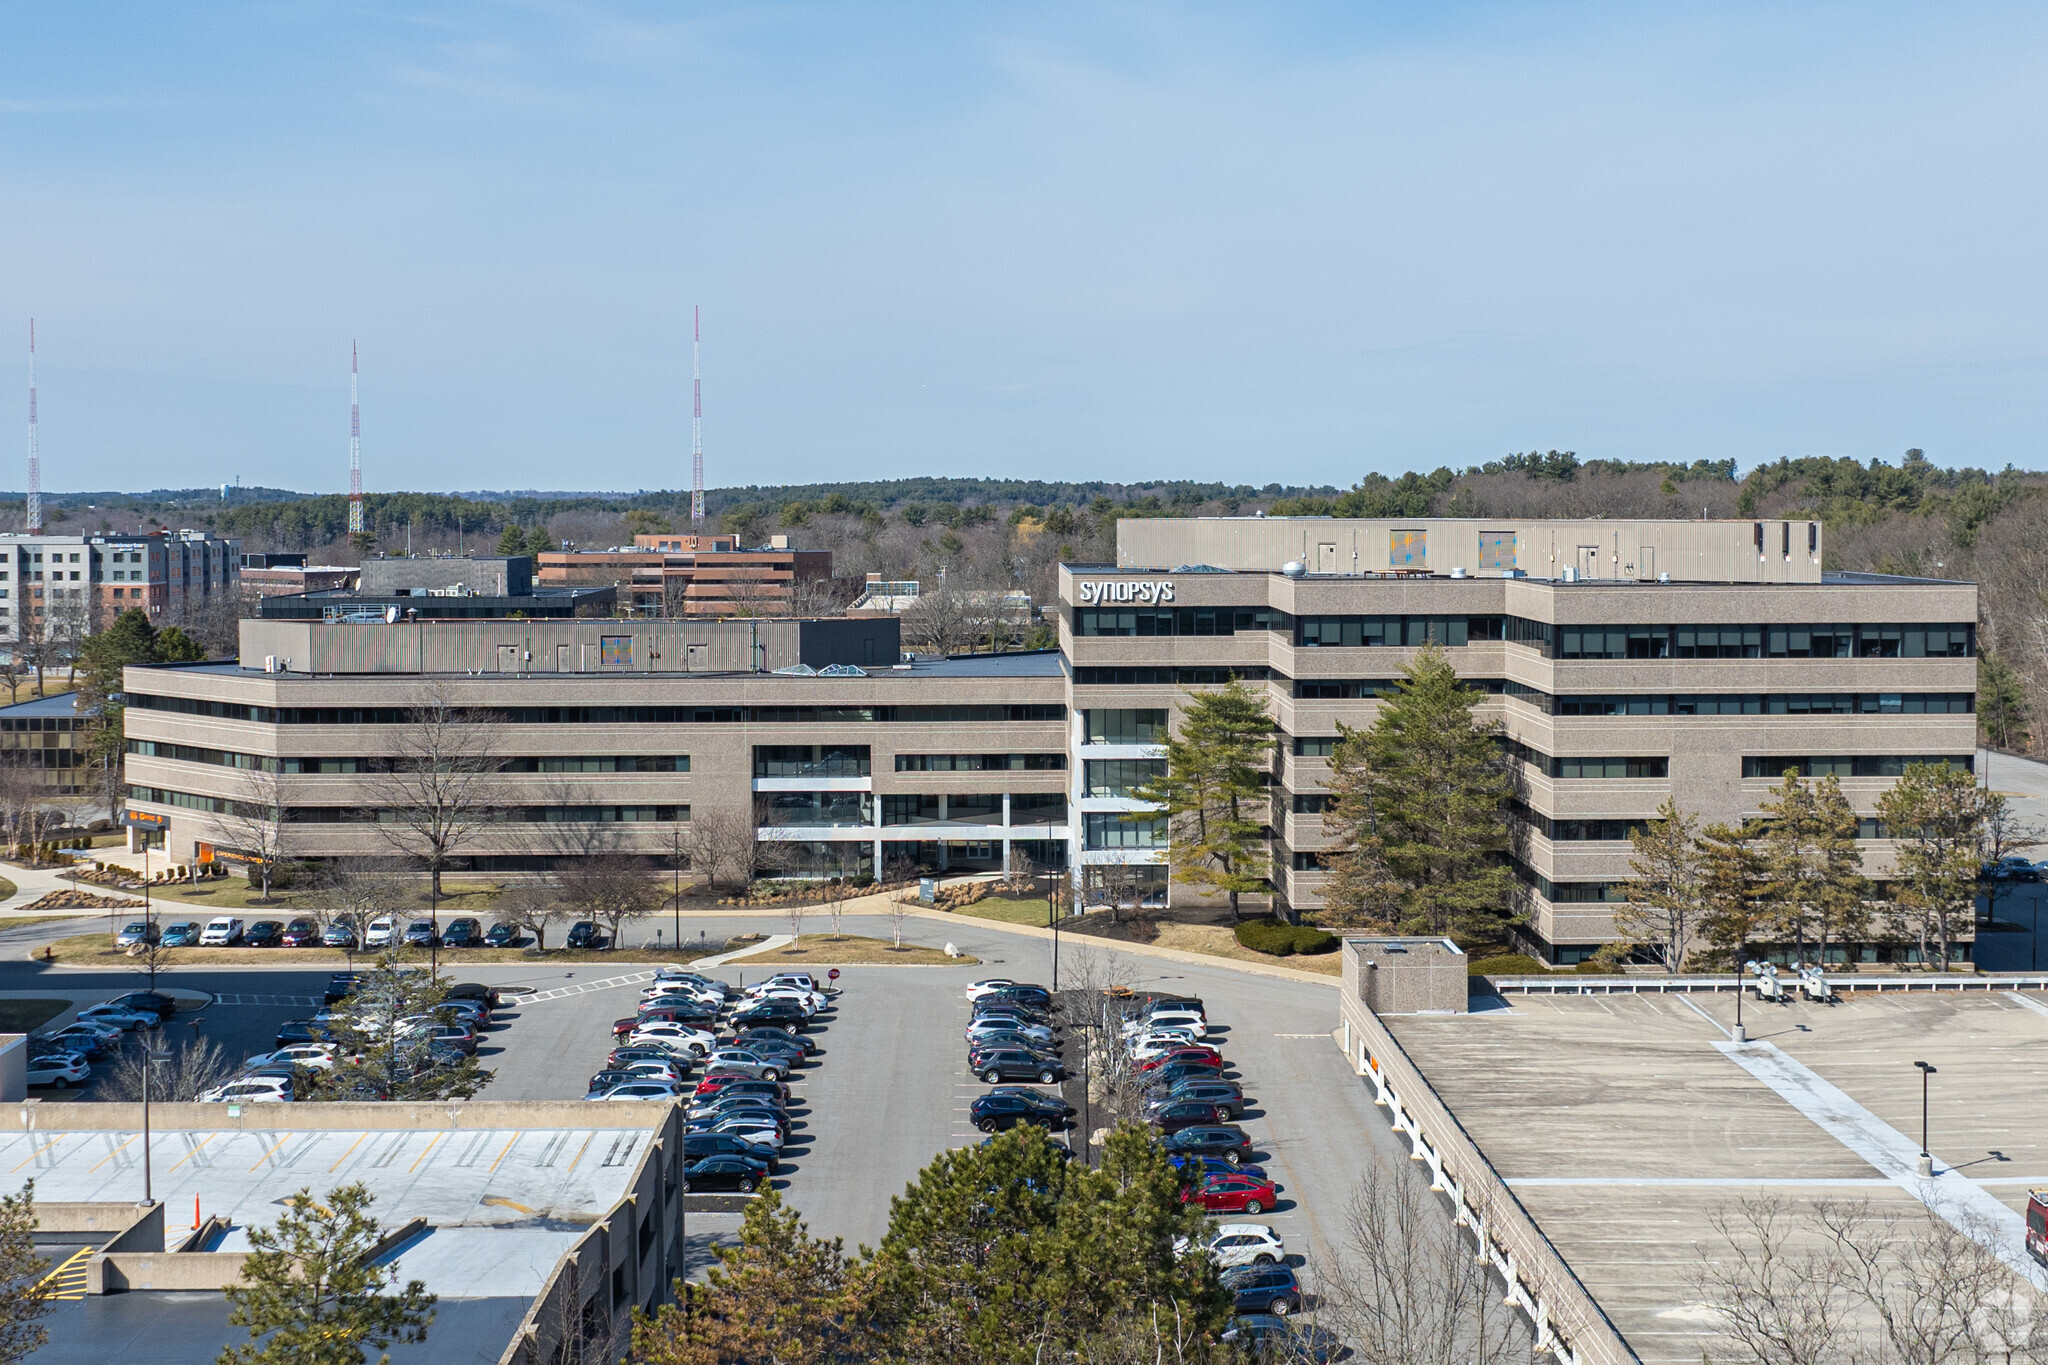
609	887
253	825
358	890
195	1064
533	908
436	798
942	621
723	845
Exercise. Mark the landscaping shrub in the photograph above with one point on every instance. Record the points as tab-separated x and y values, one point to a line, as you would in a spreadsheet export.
1506	964
1272	937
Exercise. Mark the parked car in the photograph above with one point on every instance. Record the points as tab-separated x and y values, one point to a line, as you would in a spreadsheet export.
1223	1094
1235	1244
342	985
473	990
606	1079
136	933
57	1069
1007	1107
1163	1019
156	1002
699	1145
2011	868
183	934
1034	998
639	1052
119	1016
746	1063
696	1041
641	1090
1267	1336
303	1031
1013	1063
250	1090
1186	1053
301	933
1193	1169
1040	1034
463	933
1174	1115
222	932
747	1126
1239	1193
725	1173
1263	1289
1169	1076
460	1036
978	989
583	934
775	1037
1222	1139
503	934
1163	1004
779	1014
381	932
656	1069
979	1053
318	1056
421	934
88	1039
340	933
264	933
684	974
776	1092
774	1044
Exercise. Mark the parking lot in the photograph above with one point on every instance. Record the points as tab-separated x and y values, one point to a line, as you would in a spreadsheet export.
889	1089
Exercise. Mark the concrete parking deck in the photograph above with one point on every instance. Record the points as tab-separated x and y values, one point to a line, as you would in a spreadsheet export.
1624	1123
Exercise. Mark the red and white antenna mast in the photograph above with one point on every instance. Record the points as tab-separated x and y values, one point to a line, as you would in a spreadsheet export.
697	417
355	450
35	453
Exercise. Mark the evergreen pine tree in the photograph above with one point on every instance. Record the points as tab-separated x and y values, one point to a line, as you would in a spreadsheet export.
540	542
1213	793
1421	808
511	540
24	1292
312	1295
1735	889
2004	717
1666	898
1938	816
1815	870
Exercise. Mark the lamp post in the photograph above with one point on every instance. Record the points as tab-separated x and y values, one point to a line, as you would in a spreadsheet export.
1740	1036
150	1057
1926	1157
1052	919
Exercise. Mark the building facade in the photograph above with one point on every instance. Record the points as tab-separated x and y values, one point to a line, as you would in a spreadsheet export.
682	575
73	582
1621	671
42	737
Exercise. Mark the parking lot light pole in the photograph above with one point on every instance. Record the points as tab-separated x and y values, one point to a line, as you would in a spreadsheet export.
150	1057
1926	1157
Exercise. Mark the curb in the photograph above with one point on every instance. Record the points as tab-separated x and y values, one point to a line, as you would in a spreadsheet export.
1141	949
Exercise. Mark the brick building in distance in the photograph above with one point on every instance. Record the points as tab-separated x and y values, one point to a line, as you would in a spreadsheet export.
692	575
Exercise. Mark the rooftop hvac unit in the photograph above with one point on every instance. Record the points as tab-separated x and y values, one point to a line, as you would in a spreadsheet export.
270	663
1569	574
1663	578
1457	573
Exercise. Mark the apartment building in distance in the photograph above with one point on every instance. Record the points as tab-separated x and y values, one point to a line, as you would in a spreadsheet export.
1624	661
84	578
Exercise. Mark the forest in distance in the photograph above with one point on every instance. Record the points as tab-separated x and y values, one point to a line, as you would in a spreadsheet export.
1911	516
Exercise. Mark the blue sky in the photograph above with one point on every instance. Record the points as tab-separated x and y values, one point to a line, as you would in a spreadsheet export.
1283	241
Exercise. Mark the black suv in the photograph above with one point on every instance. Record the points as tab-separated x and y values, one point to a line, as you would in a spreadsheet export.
1223	1094
699	1145
157	1003
264	933
1218	1139
1014	1063
1002	1109
342	985
583	934
303	1031
463	933
1175	1115
1263	1288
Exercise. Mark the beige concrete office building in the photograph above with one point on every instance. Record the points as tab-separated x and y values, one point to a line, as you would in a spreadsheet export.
1624	661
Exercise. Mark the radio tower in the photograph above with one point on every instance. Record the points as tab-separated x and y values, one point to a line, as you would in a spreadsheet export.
35	454
355	450
697	418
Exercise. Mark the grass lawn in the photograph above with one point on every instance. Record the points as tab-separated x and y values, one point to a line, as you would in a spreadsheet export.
825	951
1217	941
1028	910
7	888
21	1016
232	893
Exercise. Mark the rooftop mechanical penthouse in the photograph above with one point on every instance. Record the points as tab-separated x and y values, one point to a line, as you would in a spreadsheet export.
1625	661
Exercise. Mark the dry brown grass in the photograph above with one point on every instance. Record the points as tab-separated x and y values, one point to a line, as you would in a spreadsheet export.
1214	940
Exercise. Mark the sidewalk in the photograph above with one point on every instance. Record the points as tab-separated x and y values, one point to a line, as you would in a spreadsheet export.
32	884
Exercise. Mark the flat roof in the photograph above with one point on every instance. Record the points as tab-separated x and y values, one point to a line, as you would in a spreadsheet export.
59	705
1625	1123
1036	664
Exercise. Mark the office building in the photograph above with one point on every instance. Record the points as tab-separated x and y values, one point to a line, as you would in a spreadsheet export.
281	575
1624	662
75	581
440	587
704	576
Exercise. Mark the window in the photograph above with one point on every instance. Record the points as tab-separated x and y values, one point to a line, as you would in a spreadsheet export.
1177	620
1038	808
820	808
975	763
1610	767
1139	676
811	760
1109	830
1127	727
1309	862
1315	746
1313	803
1115	777
1774	767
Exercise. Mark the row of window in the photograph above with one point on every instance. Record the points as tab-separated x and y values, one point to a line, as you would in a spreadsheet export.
1774	767
1142	725
979	763
1169	676
611	715
1559	830
362	815
584	763
1649	641
28	725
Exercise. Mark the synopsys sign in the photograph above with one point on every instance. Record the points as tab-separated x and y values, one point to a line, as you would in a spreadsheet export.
1152	593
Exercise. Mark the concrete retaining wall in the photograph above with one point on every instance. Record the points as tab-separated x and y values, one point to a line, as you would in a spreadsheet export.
1569	1323
160	1270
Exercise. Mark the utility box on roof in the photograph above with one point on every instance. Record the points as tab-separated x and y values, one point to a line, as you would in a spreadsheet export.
1405	975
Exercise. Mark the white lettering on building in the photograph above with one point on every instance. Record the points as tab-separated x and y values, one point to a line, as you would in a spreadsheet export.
1126	590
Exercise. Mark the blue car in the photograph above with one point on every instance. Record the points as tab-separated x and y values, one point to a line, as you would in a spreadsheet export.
184	934
1192	1168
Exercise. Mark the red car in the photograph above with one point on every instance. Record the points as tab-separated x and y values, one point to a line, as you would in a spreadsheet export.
301	933
1181	1054
1232	1194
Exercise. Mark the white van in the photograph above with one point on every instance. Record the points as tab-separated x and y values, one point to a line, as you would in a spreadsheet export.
381	932
221	933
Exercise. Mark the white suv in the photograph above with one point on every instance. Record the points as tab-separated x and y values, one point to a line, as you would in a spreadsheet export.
253	1090
220	933
1241	1244
381	932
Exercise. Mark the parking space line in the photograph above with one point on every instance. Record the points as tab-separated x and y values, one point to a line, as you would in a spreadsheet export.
40	1150
272	1152
508	1148
344	1156
110	1155
423	1152
194	1152
588	1138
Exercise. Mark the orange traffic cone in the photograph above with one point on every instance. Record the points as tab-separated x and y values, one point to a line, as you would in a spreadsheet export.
195	1213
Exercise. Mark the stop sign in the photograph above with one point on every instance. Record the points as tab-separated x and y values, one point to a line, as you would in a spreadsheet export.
832	975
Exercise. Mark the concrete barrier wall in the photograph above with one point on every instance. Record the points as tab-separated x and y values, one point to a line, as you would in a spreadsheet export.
162	1270
13	1068
1569	1323
47	1117
99	1222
